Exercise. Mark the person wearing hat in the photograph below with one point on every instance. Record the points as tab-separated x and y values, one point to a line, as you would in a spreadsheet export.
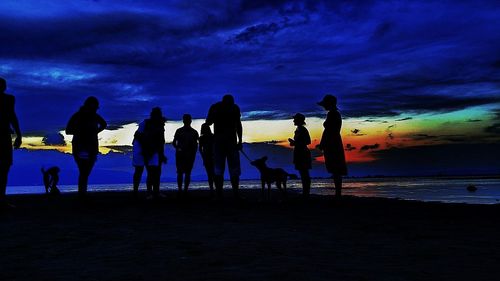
8	118
84	125
149	151
331	142
301	154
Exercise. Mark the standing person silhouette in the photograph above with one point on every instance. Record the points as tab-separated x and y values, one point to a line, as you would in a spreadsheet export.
186	145
8	118
138	160
152	141
84	125
207	154
331	143
301	154
226	117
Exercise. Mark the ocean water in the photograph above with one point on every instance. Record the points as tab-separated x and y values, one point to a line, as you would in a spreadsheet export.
448	190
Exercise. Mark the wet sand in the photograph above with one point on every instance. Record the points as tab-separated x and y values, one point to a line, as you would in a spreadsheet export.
114	237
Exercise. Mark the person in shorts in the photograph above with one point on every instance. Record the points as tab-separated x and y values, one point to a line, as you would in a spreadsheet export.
186	145
226	117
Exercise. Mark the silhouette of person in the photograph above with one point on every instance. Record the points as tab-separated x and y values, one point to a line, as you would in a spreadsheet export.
8	120
186	145
138	160
301	154
207	154
84	125
152	142
331	143
226	117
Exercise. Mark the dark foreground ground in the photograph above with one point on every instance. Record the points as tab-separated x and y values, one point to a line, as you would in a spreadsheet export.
113	237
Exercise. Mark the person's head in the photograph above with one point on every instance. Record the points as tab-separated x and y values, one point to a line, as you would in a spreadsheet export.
91	104
3	85
157	115
299	119
187	119
329	102
205	129
228	99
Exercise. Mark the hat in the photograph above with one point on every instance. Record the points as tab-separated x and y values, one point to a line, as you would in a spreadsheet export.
299	117
328	100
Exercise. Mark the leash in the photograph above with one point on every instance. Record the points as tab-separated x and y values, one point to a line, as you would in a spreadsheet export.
246	156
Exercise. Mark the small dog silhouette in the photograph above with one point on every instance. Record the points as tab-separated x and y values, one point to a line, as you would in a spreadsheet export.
50	180
271	175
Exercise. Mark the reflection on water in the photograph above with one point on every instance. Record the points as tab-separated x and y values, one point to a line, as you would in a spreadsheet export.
423	189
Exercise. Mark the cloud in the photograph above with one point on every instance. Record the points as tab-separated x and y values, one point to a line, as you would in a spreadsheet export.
495	127
54	139
253	33
349	147
356	133
369	147
442	159
381	59
423	137
404	119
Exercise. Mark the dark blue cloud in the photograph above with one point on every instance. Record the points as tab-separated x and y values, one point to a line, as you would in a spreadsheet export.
380	58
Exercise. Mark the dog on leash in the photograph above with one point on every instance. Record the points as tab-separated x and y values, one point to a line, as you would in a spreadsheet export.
271	175
50	180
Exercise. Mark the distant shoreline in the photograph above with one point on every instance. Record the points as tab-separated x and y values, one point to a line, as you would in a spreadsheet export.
172	180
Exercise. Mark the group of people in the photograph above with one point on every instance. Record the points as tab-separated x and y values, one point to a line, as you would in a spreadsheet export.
217	148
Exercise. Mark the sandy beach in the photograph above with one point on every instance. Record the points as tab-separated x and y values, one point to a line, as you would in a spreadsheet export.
114	237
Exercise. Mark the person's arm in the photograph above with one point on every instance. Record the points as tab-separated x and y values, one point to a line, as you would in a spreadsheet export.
197	141
176	136
71	127
210	116
102	124
292	140
239	131
15	124
161	153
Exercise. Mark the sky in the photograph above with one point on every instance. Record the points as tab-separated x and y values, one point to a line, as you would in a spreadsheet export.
413	78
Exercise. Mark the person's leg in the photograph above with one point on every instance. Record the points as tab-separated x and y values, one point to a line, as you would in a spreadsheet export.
153	179
337	180
219	167
149	178
306	182
179	182
235	184
190	158
233	163
137	177
187	181
85	168
210	176
4	172
156	183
